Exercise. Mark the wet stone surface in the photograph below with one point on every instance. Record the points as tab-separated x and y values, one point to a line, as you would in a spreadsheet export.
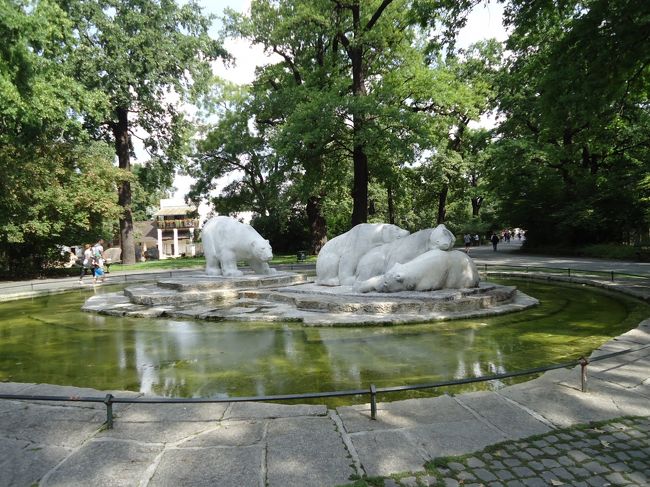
287	296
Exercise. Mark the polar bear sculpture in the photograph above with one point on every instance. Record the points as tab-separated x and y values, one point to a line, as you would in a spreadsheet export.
383	257
225	241
337	260
435	269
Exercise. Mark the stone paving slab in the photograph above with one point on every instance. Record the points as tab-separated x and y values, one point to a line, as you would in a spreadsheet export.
455	437
210	467
511	420
13	387
564	406
306	452
245	410
143	412
114	463
23	463
403	414
229	433
67	427
389	451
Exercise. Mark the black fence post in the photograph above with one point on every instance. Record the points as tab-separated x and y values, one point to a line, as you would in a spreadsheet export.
583	374
109	411
373	401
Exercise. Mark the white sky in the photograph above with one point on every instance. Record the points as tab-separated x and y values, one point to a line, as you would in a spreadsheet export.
484	22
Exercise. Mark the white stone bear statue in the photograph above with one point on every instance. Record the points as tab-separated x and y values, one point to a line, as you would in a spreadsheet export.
225	241
383	257
435	269
337	261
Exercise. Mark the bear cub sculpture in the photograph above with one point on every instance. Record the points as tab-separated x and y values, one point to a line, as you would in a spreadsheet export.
432	270
225	241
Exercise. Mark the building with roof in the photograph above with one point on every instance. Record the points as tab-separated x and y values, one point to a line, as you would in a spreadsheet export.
174	227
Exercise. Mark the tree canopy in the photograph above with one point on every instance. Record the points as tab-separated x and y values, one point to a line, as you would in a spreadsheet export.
366	111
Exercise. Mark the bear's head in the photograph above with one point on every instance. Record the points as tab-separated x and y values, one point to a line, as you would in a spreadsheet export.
261	249
390	232
395	280
441	238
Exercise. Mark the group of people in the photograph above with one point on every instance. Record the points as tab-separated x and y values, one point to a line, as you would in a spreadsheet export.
93	260
494	239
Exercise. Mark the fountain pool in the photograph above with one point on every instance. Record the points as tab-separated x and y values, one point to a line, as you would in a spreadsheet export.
49	340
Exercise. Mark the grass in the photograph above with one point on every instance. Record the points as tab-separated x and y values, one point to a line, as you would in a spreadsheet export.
197	262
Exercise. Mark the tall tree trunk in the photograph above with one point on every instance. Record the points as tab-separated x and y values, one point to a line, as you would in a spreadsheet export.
359	157
476	205
442	203
360	184
121	134
391	204
317	223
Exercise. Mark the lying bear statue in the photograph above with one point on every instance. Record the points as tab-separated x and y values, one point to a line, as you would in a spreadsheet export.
225	241
435	269
383	257
338	259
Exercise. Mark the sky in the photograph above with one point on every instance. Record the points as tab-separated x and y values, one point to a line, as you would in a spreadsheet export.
484	22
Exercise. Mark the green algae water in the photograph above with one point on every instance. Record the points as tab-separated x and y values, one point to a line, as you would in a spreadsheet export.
49	340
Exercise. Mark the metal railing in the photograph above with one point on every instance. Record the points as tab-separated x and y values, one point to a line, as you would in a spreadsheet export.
564	271
483	268
371	391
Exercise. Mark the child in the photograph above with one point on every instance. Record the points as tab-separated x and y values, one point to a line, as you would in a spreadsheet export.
99	270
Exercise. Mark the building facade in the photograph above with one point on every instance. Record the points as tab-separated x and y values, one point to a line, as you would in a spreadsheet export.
175	229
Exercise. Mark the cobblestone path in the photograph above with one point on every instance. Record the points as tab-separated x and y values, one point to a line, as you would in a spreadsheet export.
610	453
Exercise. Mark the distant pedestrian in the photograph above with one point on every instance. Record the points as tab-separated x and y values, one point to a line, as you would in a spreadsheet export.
468	241
98	248
477	240
86	263
495	240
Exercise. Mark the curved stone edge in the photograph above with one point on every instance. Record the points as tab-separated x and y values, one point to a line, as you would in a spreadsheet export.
252	307
283	312
614	286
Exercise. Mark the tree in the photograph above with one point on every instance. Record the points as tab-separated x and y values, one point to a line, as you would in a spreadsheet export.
148	56
575	99
57	188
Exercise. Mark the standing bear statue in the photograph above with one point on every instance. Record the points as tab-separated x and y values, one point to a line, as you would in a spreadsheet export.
225	241
338	259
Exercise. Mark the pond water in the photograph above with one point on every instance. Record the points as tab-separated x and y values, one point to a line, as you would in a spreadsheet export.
48	340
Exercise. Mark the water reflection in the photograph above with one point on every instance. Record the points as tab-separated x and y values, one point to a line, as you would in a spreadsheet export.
49	340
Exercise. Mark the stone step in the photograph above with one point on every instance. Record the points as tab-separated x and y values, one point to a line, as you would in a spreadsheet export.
381	303
203	282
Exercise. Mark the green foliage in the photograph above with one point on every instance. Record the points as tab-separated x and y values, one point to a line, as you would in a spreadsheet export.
148	57
574	147
58	195
57	188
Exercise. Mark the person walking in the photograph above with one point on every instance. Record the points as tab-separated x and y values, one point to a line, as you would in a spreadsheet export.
87	263
468	242
495	240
